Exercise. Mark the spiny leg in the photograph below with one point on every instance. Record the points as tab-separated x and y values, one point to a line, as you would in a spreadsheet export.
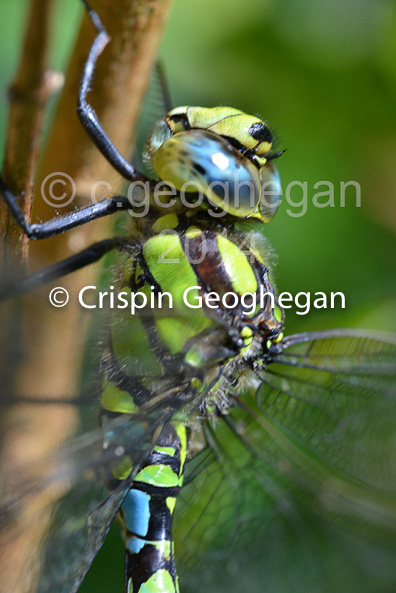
61	224
92	125
66	266
87	114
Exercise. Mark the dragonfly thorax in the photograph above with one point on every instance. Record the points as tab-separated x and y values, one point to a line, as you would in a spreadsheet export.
204	306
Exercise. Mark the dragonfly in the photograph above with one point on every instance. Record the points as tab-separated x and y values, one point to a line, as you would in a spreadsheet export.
271	454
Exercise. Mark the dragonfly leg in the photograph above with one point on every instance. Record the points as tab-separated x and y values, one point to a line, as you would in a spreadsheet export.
61	224
66	266
87	114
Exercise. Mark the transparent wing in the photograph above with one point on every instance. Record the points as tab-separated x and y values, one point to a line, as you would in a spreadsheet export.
296	490
57	511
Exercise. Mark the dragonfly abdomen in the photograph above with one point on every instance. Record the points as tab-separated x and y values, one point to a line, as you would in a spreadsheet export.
147	514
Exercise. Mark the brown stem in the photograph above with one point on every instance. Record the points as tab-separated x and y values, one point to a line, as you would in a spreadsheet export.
54	338
28	95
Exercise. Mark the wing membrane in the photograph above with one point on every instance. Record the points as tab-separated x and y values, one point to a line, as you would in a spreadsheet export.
299	487
60	509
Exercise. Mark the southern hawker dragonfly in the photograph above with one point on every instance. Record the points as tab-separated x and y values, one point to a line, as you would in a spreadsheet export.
273	452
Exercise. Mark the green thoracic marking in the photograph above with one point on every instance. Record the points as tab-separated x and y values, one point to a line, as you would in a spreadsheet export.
169	265
172	271
160	582
247	332
169	221
237	265
278	314
114	399
158	475
247	335
193	232
174	333
131	344
278	339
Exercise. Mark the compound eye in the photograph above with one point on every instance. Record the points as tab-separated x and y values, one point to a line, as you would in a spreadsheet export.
160	133
270	192
201	161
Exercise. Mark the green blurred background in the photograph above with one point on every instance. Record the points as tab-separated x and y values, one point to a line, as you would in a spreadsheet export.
323	74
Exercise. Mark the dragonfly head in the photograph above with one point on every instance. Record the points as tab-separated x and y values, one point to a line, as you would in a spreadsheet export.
220	153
